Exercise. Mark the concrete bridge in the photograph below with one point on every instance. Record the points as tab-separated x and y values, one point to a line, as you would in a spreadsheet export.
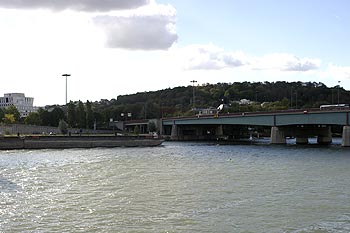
290	123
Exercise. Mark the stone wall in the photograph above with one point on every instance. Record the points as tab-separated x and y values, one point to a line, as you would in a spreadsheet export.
34	129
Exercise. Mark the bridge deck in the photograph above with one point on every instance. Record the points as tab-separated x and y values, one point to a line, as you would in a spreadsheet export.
278	118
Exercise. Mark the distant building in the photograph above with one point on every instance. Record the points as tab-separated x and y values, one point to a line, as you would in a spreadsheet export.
23	104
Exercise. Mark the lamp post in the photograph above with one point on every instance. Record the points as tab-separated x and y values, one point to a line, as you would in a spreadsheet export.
66	75
194	96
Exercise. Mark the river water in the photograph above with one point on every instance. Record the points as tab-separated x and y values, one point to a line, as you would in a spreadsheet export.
178	187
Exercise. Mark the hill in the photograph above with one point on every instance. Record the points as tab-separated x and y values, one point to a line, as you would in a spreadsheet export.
179	101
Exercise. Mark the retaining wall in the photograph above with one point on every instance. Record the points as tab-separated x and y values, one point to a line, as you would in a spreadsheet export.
34	129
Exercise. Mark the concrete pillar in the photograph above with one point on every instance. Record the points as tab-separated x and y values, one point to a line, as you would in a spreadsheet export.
302	140
199	133
326	137
277	136
346	136
174	132
219	131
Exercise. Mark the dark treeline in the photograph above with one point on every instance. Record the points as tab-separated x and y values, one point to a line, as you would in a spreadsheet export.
265	96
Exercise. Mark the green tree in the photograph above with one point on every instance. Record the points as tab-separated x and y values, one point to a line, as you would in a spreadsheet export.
14	111
2	114
81	115
9	118
71	114
55	116
44	116
33	119
89	115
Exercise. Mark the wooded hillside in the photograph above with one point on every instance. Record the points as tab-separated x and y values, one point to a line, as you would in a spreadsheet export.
178	101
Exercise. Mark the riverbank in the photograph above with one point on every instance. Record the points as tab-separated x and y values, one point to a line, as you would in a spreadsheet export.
65	142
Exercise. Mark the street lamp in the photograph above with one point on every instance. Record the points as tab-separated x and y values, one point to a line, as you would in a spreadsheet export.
194	96
66	75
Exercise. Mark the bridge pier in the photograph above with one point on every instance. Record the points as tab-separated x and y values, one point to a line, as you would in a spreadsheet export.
174	133
346	136
277	136
219	131
326	136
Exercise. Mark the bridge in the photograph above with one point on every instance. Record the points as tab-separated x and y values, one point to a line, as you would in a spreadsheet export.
281	124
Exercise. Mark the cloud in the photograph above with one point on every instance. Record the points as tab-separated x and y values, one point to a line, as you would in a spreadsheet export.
285	62
210	57
149	28
338	72
78	5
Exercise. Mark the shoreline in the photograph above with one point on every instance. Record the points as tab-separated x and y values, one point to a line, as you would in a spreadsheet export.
67	142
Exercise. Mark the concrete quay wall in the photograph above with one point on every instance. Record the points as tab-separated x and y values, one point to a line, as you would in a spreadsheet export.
65	142
34	129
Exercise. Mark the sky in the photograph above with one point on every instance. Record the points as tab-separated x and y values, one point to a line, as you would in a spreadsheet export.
117	47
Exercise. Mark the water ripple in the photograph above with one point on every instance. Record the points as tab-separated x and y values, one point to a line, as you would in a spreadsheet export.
180	187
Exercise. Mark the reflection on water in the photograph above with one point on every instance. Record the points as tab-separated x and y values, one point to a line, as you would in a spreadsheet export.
178	187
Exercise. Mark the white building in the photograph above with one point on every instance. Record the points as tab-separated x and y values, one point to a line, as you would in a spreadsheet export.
23	104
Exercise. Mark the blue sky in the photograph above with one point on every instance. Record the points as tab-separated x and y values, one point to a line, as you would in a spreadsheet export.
304	27
127	46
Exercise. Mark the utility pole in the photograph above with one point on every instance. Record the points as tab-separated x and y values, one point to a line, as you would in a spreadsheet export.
66	75
194	96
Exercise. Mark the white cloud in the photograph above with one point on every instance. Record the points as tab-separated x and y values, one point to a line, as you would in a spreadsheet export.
211	57
149	28
338	72
78	5
285	62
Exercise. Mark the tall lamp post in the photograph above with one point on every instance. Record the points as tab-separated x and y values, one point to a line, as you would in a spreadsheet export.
66	75
194	96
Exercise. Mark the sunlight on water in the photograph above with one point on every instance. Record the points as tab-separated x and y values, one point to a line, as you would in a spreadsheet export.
178	187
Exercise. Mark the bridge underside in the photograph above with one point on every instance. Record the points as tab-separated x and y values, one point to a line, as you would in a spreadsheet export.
278	125
277	135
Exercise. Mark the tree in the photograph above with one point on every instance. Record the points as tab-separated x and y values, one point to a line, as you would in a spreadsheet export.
14	111
44	116
55	116
71	114
89	115
2	114
33	119
81	115
9	118
51	117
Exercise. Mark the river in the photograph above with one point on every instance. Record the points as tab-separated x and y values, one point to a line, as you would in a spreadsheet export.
177	187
